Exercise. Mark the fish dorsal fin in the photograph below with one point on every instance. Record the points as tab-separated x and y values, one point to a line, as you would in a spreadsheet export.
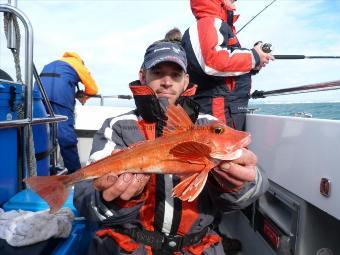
178	120
189	150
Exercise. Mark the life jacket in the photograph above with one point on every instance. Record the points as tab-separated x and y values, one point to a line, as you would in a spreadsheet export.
60	82
229	83
210	8
153	111
153	119
74	60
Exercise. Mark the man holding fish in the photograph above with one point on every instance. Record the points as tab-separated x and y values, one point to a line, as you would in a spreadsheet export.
163	171
137	211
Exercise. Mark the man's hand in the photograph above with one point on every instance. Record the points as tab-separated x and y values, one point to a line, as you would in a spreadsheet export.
81	96
232	175
264	57
125	186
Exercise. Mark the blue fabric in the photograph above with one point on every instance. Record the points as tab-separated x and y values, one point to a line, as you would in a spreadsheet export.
67	138
60	90
60	80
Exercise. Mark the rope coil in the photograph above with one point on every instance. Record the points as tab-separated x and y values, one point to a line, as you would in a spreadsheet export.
16	51
19	109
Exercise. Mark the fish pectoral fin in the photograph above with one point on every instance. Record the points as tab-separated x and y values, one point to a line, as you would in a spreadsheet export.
191	187
178	120
189	150
182	186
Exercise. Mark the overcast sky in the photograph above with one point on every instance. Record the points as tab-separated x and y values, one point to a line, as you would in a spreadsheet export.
111	37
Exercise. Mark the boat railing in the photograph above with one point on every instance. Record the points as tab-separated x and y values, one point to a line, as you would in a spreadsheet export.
103	97
28	119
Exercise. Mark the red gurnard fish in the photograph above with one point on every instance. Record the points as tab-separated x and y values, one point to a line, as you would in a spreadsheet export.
184	149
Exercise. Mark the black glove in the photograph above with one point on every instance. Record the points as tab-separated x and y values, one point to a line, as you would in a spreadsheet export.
80	94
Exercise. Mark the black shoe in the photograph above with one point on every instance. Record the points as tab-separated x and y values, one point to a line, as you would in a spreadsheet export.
231	246
56	170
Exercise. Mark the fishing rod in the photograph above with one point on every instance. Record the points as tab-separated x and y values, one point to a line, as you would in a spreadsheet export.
266	47
324	86
80	94
303	57
255	17
114	96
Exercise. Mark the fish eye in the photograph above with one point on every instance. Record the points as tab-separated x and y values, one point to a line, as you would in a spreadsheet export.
218	130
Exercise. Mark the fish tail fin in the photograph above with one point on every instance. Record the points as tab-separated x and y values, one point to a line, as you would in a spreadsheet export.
53	189
191	187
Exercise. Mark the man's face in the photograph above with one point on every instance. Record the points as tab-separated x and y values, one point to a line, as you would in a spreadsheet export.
230	4
166	79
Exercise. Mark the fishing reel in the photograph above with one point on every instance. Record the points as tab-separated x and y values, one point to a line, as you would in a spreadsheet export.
266	47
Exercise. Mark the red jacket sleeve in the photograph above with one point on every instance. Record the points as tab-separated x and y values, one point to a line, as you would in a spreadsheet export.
212	53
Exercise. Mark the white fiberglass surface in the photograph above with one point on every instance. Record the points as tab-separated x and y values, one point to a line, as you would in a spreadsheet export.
296	153
92	117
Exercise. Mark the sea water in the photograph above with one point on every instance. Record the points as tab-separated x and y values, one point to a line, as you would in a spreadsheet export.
316	110
330	110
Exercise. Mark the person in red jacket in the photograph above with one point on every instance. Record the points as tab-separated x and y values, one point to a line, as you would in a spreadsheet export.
221	68
218	64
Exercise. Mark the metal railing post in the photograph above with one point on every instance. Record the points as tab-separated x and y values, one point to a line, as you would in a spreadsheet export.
28	120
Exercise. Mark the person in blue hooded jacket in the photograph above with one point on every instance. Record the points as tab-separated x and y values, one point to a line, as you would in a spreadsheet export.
60	80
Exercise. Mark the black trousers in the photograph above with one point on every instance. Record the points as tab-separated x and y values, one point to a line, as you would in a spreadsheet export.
232	113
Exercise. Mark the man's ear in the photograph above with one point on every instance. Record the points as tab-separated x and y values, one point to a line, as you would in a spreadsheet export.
142	76
186	81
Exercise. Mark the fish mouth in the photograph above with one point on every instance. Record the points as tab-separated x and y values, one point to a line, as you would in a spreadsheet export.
222	155
246	141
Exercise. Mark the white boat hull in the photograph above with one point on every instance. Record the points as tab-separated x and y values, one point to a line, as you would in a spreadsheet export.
296	153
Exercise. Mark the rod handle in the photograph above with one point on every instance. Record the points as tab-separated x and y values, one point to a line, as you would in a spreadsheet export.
257	94
125	97
289	56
